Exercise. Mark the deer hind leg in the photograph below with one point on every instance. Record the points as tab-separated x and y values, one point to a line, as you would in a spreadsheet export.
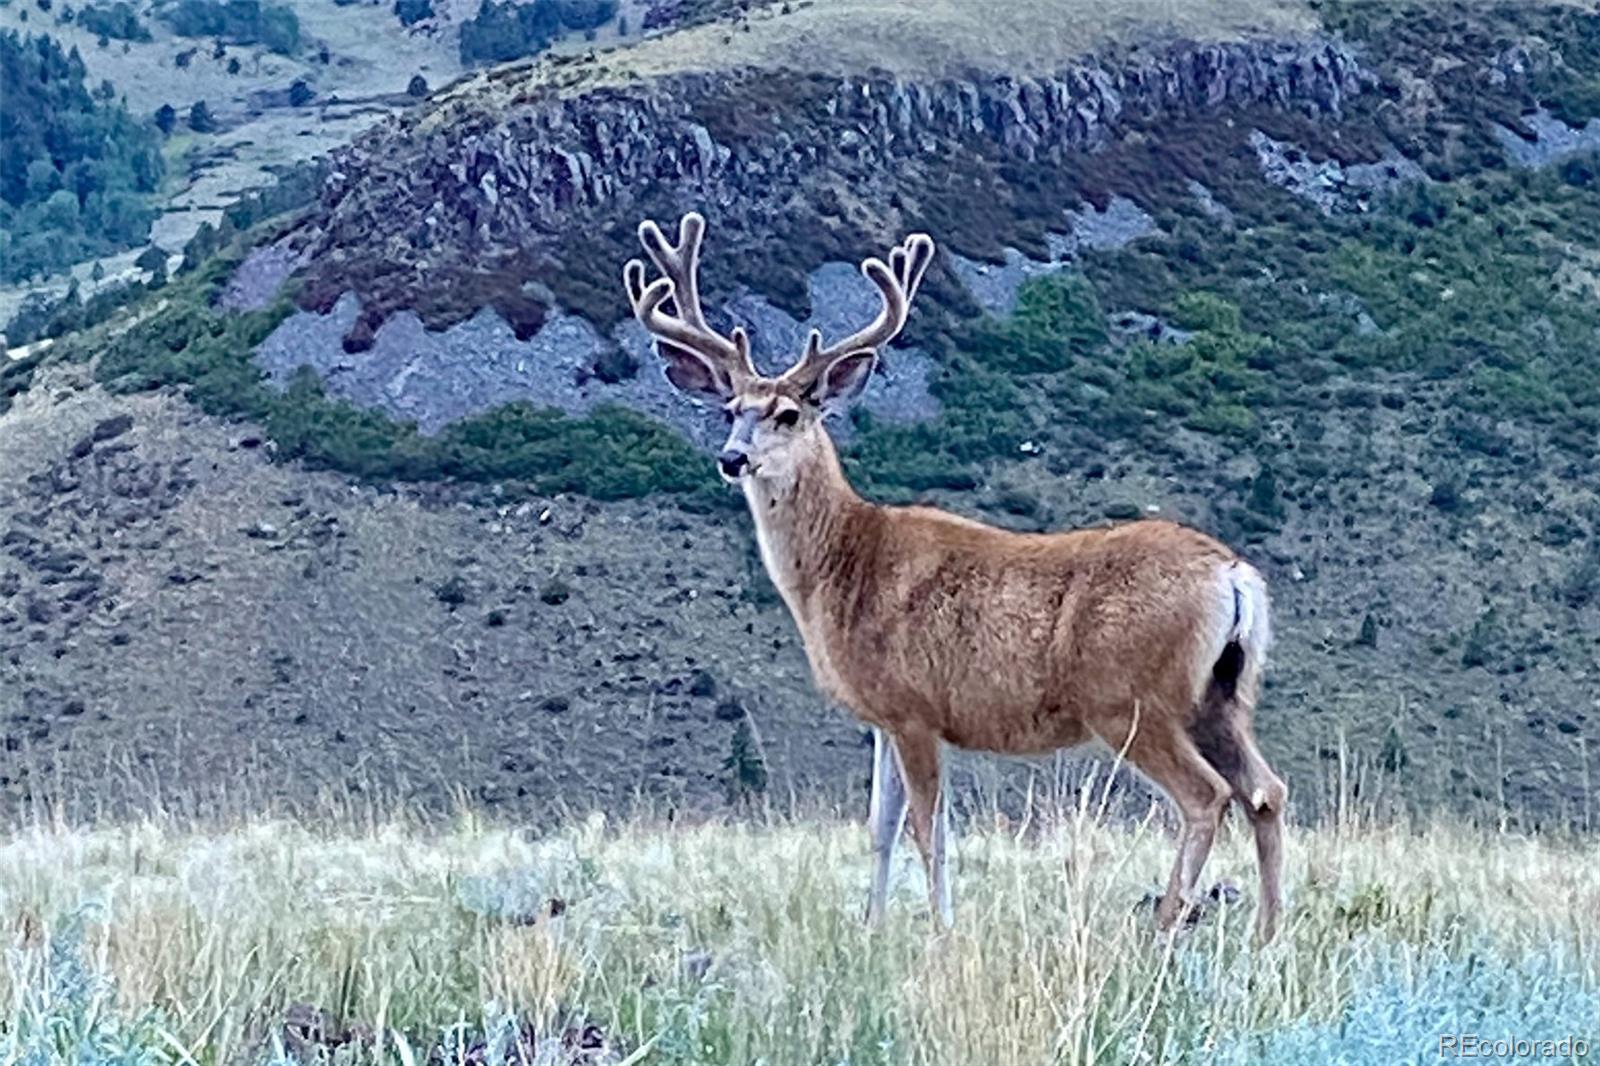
928	818
885	818
1222	733
1168	756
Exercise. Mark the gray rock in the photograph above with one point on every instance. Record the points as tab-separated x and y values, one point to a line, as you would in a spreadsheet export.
555	155
1333	186
434	378
995	285
1553	140
256	282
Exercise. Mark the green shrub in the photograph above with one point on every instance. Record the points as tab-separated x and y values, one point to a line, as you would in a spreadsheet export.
411	12
240	21
1446	495
68	1010
200	118
15	378
1207	381
118	20
1020	502
981	418
503	31
1582	586
1263	497
1056	320
1482	640
744	764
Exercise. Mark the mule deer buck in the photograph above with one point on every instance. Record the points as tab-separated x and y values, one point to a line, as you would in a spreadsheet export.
936	629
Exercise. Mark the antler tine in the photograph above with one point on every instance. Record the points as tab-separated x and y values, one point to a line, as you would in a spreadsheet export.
919	256
897	281
633	280
891	318
679	265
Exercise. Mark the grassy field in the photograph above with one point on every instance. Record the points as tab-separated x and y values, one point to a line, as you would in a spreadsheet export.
371	939
913	38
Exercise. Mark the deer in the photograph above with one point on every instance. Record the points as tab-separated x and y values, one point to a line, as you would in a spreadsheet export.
938	630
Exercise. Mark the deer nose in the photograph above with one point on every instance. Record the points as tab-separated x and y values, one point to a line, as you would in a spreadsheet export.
733	462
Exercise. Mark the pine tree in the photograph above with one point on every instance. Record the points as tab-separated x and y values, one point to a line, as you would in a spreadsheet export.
747	770
200	119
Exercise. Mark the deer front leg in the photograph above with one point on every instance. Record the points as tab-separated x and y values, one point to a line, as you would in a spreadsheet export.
921	769
885	818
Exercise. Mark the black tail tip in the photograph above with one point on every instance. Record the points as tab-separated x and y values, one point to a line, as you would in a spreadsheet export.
1229	665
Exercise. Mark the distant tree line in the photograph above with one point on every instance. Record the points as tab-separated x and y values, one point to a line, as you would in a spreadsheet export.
76	171
42	315
240	21
502	31
117	20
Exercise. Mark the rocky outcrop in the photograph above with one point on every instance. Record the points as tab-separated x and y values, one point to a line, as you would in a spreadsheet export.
469	193
550	156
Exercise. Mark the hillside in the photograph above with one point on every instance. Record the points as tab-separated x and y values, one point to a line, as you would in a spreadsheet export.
387	482
282	82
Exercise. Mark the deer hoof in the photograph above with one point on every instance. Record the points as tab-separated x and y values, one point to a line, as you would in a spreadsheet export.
1226	893
1223	893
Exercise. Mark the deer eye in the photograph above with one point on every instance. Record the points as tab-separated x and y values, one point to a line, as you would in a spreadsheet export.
787	417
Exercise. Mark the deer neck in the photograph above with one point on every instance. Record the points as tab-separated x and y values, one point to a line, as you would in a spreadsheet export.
803	520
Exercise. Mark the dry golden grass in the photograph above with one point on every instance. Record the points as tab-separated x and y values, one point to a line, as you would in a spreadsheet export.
937	37
914	38
208	936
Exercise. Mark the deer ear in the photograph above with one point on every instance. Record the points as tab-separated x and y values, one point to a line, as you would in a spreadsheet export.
844	380
692	375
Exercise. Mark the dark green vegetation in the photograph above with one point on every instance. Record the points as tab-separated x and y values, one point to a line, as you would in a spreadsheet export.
191	344
1558	45
503	31
745	768
411	12
75	169
1463	298
243	22
684	13
42	316
117	20
200	118
15	378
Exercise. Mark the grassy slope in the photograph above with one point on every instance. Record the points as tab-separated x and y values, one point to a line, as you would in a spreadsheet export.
915	38
207	938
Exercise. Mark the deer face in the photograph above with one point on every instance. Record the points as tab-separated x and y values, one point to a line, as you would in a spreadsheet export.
764	434
772	421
